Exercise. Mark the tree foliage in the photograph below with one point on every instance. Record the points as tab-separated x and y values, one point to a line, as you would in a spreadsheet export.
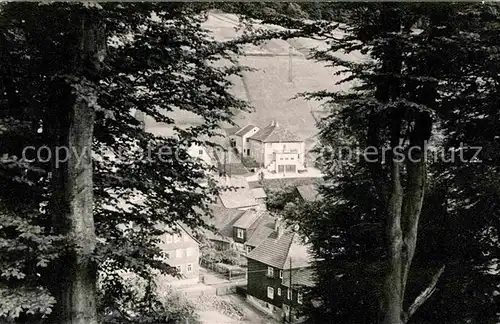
158	61
440	59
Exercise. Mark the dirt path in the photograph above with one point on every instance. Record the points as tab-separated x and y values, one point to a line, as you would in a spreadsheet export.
251	314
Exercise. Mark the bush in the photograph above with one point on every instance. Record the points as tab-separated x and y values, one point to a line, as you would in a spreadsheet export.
249	162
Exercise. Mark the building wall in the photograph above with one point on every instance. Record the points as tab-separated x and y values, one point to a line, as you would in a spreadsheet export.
258	281
170	245
221	245
244	144
265	153
238	142
256	150
241	141
198	151
235	235
292	147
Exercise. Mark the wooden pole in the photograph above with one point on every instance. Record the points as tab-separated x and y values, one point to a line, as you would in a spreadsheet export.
291	293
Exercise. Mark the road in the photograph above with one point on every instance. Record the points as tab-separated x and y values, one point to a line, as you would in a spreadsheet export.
251	314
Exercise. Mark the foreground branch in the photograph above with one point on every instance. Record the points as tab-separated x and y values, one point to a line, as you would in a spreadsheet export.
426	294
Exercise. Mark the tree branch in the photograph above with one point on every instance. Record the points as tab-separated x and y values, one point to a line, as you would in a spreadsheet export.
424	295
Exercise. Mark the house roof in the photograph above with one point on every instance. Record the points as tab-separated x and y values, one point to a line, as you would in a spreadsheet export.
247	219
188	230
259	193
223	220
309	192
178	226
245	130
300	277
277	251
231	130
274	133
240	196
260	230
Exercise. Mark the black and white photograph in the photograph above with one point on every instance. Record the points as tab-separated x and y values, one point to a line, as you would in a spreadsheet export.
249	162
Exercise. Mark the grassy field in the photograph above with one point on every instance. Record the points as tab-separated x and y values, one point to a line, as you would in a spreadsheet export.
277	79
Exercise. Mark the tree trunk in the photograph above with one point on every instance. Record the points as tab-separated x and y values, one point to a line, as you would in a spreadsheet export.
73	198
393	305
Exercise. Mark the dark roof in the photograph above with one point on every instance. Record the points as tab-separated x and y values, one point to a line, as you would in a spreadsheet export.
244	130
309	192
274	133
276	251
260	230
247	219
223	221
300	277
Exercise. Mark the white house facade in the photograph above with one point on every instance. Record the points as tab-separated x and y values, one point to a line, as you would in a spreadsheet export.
277	150
240	139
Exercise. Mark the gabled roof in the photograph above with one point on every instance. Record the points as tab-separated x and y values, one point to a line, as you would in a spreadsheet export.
261	230
223	221
300	277
243	131
309	192
277	251
231	130
274	133
188	231
178	226
247	219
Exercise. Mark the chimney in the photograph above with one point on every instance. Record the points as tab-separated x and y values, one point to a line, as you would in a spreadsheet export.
276	123
272	123
278	228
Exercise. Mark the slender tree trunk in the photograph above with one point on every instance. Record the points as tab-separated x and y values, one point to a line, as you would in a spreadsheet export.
393	289
73	198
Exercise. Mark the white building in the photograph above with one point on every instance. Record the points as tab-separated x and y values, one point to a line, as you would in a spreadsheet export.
277	150
240	138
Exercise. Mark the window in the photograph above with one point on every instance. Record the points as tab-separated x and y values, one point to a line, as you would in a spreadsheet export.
190	251
169	238
281	274
299	298
279	291
270	292
270	272
189	267
248	140
281	158
291	158
289	294
239	233
200	152
178	253
177	238
179	268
